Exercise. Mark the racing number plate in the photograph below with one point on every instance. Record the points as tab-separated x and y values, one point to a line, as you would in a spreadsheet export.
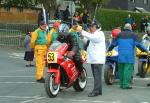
52	57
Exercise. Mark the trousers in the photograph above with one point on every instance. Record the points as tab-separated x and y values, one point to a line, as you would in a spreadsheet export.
40	53
97	74
125	74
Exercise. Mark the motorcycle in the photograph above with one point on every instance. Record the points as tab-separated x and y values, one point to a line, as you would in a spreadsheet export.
110	68
62	72
143	63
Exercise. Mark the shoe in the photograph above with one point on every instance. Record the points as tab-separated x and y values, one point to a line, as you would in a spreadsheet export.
137	74
148	84
127	87
41	80
92	94
27	65
31	65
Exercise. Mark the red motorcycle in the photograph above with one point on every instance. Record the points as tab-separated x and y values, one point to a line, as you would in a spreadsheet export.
62	72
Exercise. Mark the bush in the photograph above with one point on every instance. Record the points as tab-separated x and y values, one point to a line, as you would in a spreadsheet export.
112	18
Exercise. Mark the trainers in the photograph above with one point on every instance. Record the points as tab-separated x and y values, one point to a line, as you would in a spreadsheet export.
27	65
148	84
31	65
42	80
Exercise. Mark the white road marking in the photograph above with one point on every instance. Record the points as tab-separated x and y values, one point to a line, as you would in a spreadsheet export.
31	100
144	102
22	97
18	82
17	76
16	55
89	101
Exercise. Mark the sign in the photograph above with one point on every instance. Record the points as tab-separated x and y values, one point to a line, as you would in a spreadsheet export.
51	22
52	57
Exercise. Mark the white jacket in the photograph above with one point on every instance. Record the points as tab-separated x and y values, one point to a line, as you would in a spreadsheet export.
97	48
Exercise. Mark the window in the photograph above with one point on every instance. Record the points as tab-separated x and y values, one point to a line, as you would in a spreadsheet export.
133	1
145	2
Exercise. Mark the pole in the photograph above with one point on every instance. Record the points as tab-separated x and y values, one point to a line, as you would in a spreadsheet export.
71	12
44	14
95	12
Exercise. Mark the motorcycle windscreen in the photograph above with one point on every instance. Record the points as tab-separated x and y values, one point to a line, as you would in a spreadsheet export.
55	46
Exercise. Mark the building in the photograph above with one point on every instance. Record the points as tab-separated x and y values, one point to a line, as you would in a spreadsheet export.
129	4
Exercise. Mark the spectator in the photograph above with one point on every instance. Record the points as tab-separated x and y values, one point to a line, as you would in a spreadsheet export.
29	53
63	27
95	56
53	34
57	14
38	42
85	18
66	14
144	23
76	17
74	31
126	42
129	20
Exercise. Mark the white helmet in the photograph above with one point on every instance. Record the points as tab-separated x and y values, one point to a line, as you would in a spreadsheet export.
148	29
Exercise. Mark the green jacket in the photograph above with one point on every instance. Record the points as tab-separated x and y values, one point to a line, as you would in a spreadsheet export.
41	38
80	44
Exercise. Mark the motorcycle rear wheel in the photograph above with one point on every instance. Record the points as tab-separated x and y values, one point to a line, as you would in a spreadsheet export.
51	88
80	84
108	75
142	69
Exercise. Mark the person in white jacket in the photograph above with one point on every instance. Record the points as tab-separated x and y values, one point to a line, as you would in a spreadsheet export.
95	56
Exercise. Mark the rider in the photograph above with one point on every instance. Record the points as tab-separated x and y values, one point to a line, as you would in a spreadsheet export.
52	35
146	38
114	33
73	49
145	42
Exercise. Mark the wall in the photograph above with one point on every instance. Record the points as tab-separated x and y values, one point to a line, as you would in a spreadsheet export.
139	3
15	16
118	4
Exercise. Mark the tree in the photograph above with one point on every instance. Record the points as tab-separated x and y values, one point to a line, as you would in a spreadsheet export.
19	3
91	4
49	5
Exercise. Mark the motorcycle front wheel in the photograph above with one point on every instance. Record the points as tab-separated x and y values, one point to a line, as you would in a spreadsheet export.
51	88
80	84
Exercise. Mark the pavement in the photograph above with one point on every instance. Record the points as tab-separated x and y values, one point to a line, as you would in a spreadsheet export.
18	85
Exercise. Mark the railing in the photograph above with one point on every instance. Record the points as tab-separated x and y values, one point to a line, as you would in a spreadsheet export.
10	38
24	28
12	34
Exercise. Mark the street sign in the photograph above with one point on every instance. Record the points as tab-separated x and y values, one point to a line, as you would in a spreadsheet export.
51	22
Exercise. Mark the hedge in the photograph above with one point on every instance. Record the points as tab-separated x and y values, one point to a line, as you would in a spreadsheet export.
112	18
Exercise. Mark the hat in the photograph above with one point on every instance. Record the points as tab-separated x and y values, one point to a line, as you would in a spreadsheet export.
148	29
128	26
43	23
115	32
56	24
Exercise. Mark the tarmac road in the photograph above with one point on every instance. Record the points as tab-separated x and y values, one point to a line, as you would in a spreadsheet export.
18	85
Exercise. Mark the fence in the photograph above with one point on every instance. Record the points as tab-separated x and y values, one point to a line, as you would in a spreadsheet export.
12	34
10	38
17	26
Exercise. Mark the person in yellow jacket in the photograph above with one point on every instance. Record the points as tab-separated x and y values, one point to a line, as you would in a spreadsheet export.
52	35
38	42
